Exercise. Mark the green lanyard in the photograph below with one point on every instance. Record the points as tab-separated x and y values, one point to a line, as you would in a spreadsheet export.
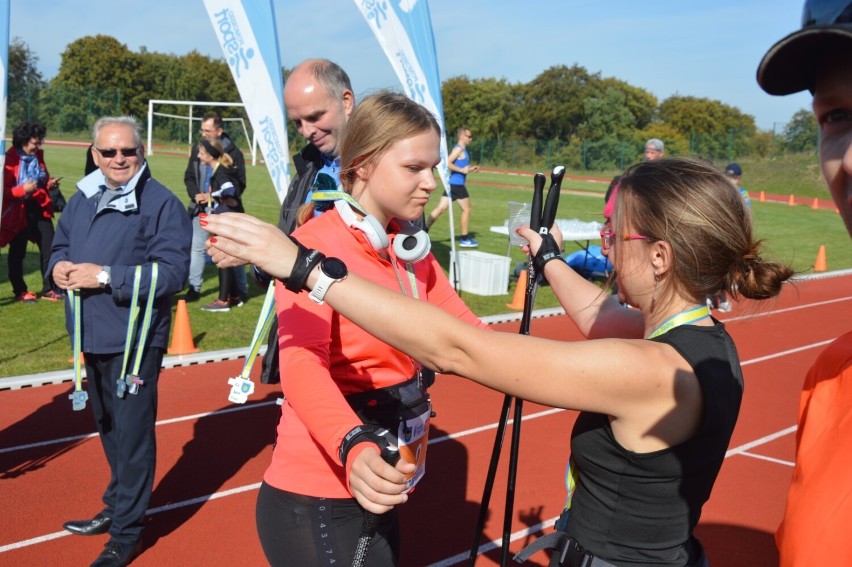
242	386
335	195
687	317
131	381
78	396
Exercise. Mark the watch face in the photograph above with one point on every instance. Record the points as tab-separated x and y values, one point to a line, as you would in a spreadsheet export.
334	268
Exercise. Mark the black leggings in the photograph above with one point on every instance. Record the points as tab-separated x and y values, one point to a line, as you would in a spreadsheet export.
41	231
318	532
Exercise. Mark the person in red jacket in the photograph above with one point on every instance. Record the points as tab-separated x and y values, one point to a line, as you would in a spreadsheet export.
27	209
341	384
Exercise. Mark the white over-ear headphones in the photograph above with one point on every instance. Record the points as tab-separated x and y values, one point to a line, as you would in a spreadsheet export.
411	244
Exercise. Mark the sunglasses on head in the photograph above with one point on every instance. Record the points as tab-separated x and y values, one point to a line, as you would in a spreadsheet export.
126	152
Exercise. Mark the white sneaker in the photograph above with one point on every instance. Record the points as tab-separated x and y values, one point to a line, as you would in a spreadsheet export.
725	307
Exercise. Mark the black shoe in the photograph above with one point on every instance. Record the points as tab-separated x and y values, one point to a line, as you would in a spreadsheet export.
192	295
117	554
98	525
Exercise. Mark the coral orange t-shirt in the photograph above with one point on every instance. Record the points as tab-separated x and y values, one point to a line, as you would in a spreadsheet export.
324	356
817	523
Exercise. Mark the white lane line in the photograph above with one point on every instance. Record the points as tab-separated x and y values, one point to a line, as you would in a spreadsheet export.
786	352
159	423
759	314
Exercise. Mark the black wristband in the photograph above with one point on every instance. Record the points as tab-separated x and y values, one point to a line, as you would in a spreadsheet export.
369	433
306	261
547	251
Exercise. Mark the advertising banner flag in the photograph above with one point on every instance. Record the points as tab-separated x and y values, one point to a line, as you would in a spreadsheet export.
404	30
4	78
246	32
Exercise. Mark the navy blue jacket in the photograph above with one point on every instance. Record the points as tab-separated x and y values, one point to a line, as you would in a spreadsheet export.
147	225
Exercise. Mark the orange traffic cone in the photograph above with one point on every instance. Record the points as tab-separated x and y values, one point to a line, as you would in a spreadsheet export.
762	197
815	204
520	292
819	264
182	342
792	200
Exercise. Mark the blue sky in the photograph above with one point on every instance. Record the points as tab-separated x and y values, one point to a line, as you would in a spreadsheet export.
705	49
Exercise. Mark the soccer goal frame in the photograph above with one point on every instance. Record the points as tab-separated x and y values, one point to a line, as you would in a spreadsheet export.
191	119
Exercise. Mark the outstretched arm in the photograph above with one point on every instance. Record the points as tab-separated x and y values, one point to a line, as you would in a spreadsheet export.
608	376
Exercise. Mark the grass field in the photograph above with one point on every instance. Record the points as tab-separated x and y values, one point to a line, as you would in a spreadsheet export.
34	339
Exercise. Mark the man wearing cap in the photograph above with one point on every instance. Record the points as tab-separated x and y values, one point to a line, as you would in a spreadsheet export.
654	149
816	525
734	172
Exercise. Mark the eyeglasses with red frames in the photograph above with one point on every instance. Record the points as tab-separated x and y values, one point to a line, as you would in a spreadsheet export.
126	152
608	237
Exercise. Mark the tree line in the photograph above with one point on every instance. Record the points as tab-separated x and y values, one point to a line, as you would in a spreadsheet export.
566	114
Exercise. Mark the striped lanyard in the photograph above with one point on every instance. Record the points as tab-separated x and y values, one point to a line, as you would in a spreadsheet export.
131	381
78	396
692	315
242	386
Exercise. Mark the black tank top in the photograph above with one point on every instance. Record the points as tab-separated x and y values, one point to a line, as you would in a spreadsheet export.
640	508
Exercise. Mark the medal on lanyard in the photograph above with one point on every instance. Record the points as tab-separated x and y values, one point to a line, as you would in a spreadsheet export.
78	396
131	381
242	386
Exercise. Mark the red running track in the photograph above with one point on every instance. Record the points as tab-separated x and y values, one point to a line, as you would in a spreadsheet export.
212	455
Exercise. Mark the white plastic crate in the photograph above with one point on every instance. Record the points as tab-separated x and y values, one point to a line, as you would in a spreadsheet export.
482	273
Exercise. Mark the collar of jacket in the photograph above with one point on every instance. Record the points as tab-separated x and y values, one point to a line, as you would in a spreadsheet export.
92	183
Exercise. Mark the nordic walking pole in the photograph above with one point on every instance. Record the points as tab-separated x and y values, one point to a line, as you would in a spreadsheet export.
371	520
538	189
540	221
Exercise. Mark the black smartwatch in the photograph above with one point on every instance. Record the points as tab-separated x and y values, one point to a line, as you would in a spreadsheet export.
332	270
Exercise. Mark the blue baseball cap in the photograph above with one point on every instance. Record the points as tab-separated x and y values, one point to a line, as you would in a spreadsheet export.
790	65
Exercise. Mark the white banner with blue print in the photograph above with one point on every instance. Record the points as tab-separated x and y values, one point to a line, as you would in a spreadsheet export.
4	77
404	30
246	32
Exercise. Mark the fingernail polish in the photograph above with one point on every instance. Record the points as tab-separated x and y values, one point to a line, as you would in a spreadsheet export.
202	222
213	239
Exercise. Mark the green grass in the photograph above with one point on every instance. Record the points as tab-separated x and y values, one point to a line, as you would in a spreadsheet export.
33	336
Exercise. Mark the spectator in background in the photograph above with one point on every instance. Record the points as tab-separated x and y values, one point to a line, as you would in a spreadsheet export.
734	172
319	100
815	529
459	164
223	197
120	219
654	149
90	161
27	209
197	181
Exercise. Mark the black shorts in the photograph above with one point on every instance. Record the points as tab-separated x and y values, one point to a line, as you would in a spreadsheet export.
459	192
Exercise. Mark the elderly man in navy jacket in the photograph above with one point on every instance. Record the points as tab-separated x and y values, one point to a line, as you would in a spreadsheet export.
123	235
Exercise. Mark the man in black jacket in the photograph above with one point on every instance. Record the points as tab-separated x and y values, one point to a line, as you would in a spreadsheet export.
319	100
197	180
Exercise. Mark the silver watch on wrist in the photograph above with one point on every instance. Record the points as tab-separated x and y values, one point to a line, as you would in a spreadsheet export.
103	277
332	270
